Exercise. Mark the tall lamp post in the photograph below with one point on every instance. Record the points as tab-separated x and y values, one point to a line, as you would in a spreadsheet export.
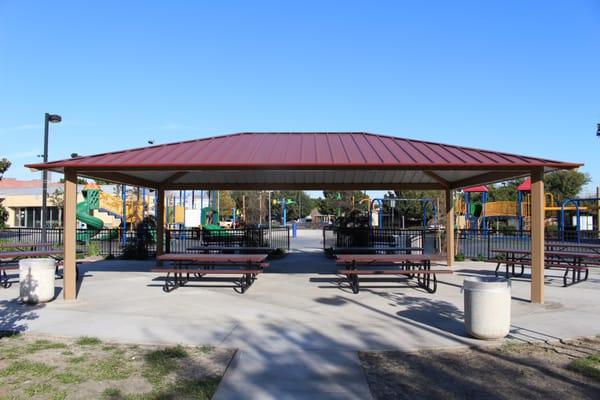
48	118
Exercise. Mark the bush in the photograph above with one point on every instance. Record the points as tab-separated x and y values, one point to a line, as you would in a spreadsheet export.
137	248
459	257
93	249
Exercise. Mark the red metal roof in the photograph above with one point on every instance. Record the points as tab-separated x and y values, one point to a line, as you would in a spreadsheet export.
308	161
287	150
525	186
476	189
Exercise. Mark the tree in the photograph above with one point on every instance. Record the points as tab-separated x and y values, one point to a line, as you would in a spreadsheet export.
226	203
294	199
342	203
505	191
57	198
565	184
4	166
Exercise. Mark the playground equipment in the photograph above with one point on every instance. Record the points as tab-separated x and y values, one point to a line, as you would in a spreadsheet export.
284	203
376	210
577	220
100	210
91	201
209	219
474	211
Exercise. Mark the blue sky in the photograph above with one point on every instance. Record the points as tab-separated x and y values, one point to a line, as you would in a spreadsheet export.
516	76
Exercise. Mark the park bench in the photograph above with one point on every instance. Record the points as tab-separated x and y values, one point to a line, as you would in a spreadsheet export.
409	265
194	267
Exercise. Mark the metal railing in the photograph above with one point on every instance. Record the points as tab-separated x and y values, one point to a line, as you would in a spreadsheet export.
427	241
477	244
107	242
181	240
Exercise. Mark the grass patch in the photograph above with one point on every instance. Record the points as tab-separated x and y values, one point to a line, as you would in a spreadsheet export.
160	363
61	395
589	366
88	341
43	344
68	377
27	367
114	367
39	388
188	389
111	393
77	360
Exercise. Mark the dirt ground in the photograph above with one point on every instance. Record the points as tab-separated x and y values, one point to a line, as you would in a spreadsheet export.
512	371
40	367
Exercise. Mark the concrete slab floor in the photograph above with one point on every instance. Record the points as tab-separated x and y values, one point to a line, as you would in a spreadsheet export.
299	326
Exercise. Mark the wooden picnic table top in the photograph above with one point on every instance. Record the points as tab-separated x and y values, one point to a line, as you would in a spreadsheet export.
385	258
571	244
19	245
575	254
33	253
214	258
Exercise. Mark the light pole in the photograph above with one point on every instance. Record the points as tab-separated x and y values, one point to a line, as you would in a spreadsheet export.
48	118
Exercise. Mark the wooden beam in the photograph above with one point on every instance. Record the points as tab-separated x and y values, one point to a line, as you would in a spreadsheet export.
302	186
537	235
160	223
486	178
450	227
437	178
174	177
121	178
70	232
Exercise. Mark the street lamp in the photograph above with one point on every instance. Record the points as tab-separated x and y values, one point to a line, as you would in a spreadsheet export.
48	118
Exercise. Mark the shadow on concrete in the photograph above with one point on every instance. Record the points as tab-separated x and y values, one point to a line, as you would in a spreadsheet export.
14	315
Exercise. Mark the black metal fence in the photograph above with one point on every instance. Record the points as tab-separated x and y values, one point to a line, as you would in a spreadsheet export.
425	241
478	244
184	240
113	241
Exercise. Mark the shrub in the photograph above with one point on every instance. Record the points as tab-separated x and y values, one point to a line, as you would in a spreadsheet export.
459	257
137	248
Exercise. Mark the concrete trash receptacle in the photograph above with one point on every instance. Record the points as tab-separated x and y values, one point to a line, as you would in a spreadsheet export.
36	279
487	307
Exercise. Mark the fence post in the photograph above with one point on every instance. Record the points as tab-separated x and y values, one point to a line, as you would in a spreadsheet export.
168	241
288	237
489	242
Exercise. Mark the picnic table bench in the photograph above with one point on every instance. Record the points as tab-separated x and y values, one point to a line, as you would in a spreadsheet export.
409	265
193	267
574	263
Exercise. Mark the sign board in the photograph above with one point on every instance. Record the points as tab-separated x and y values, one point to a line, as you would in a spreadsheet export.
192	218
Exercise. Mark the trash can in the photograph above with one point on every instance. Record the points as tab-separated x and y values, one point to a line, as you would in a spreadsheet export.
36	279
487	307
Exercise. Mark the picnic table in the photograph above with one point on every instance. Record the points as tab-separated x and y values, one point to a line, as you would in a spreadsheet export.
573	262
228	249
25	246
376	250
409	265
193	267
567	246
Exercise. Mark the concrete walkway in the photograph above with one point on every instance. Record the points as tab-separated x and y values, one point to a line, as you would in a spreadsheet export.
298	328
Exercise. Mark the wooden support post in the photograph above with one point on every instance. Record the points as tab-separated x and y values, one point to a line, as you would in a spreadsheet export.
537	235
70	233
160	223
450	227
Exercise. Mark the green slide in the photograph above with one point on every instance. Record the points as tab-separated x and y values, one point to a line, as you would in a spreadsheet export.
93	224
91	201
